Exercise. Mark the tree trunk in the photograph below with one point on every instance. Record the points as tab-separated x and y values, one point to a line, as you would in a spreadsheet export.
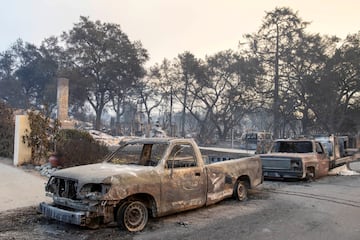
98	118
305	121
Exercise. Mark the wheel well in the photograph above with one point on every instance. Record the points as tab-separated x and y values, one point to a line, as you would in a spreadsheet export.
310	173
312	169
147	199
246	179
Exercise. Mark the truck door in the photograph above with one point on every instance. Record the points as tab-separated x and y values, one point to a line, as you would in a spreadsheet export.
323	160
183	184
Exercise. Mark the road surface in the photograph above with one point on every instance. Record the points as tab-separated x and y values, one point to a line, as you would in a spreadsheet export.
19	188
328	209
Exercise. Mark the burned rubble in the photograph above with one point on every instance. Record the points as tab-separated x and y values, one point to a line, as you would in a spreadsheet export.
46	169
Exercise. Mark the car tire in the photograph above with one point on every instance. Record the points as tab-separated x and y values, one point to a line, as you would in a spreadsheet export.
241	190
132	216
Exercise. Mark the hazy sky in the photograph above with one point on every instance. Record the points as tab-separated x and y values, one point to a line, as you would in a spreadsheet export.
169	27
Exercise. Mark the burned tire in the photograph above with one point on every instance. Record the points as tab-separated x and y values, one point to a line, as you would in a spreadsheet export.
310	174
241	190
94	223
132	216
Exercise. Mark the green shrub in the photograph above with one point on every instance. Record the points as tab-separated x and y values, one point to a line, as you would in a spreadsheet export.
7	131
74	147
41	137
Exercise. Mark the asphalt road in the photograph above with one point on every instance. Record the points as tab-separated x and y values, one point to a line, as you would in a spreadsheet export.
327	209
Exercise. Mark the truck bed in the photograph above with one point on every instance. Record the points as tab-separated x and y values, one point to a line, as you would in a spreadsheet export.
345	160
212	155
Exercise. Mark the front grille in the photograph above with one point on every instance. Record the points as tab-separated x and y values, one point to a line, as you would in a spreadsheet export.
61	187
281	163
276	163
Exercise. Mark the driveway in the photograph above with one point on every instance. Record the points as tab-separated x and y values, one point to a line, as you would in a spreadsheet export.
19	188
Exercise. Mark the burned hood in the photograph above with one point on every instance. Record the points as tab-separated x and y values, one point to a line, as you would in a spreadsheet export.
104	172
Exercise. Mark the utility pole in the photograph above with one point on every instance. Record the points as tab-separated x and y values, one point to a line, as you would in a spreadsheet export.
276	87
171	109
184	104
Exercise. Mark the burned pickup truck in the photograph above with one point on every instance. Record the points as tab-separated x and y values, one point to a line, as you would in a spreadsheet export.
148	177
299	159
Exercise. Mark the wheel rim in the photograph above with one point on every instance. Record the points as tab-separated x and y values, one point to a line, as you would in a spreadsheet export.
135	216
241	191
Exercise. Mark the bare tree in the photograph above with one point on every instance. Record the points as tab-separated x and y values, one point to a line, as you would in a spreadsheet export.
105	58
272	44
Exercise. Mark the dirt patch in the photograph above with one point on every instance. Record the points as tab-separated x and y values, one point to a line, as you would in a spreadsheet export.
10	220
27	223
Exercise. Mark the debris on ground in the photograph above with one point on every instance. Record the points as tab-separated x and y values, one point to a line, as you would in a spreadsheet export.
104	138
46	169
184	224
343	170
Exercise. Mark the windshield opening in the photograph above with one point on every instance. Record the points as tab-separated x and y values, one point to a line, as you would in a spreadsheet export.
293	147
145	154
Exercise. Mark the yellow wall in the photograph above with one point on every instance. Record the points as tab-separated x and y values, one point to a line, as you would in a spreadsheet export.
22	153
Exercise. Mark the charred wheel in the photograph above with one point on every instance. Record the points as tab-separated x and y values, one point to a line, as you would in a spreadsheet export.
241	190
133	216
310	174
94	223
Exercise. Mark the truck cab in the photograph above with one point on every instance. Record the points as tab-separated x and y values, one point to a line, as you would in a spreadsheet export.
155	176
292	158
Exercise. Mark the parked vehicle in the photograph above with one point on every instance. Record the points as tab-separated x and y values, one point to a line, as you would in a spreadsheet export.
337	149
307	157
259	141
149	177
299	159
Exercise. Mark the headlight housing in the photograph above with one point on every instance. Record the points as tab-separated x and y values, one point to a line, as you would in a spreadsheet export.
296	164
93	191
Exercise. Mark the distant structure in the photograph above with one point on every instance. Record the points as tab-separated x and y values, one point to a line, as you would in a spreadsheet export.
22	152
157	131
62	99
139	119
63	103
